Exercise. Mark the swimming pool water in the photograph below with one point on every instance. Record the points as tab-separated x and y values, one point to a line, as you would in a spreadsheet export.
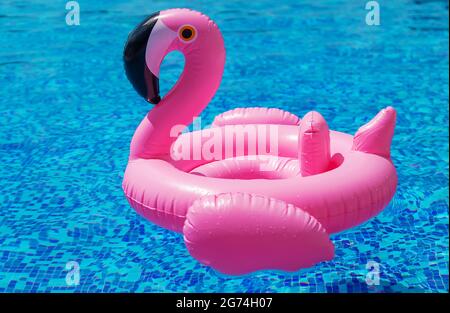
67	114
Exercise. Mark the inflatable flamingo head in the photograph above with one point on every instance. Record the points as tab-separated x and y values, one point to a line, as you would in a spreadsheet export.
190	32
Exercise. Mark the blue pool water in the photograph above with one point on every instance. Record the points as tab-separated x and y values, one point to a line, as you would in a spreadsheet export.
67	114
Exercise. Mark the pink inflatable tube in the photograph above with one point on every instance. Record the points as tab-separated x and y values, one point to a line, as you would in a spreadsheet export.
241	208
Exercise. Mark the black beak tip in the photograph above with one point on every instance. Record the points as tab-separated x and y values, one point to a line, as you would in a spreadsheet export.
154	100
144	82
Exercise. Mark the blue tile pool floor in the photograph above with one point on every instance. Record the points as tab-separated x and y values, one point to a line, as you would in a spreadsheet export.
67	114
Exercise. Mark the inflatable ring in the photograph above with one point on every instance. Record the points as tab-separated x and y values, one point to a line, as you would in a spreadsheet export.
244	209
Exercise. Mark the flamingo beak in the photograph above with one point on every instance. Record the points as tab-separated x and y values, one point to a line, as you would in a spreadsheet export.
144	51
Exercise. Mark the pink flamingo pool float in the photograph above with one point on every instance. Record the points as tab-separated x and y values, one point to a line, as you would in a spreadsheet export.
248	210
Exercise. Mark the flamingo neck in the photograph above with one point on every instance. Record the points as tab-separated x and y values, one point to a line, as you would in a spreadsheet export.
187	99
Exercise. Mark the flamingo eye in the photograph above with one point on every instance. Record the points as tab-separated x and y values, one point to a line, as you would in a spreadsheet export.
187	33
